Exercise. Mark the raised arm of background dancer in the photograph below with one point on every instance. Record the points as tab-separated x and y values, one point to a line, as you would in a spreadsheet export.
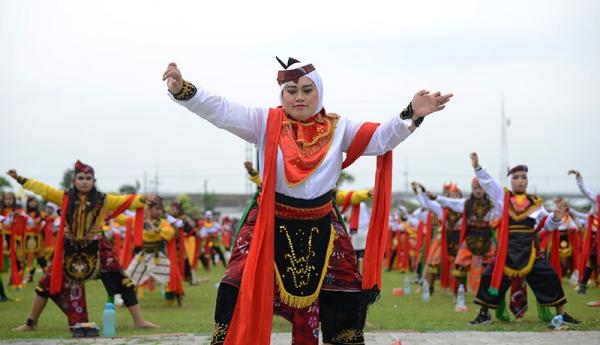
432	206
553	219
591	195
113	201
489	185
47	192
579	217
456	205
393	131
245	122
421	199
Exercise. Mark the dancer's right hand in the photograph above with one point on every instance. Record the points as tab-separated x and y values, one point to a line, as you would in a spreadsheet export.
249	168
430	195
575	172
12	173
173	77
474	160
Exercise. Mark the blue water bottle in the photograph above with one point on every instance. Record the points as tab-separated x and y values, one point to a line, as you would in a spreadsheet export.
108	321
556	322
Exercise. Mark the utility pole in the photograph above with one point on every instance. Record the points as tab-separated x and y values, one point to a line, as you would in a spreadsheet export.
152	182
145	181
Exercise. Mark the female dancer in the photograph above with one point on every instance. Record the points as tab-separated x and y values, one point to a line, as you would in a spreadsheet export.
301	148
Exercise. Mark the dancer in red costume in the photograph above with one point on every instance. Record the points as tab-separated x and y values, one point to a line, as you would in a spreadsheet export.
295	236
81	251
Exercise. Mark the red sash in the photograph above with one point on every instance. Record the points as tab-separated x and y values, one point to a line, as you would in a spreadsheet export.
253	315
378	233
587	246
48	232
127	251
406	250
419	242
429	234
56	277
445	263
503	230
17	230
181	239
175	285
354	213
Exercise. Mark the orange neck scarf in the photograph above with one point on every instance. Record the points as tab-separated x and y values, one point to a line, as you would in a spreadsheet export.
304	145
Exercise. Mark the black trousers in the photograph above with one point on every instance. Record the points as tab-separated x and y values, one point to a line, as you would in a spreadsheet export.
339	312
589	269
542	279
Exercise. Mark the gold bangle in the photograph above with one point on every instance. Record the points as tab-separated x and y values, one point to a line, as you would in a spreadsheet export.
188	90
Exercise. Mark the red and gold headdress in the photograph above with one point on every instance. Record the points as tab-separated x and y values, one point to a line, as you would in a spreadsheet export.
83	168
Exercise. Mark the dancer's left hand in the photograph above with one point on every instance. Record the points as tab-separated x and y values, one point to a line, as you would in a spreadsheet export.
425	103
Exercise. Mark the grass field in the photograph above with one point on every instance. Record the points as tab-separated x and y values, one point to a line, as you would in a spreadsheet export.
407	313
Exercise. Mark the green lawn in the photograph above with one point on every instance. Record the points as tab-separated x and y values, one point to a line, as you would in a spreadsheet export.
407	313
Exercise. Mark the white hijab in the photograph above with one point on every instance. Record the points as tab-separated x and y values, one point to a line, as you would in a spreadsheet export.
316	79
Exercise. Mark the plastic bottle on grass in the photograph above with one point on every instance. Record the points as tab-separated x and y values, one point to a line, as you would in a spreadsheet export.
556	322
574	280
425	292
460	299
406	285
108	321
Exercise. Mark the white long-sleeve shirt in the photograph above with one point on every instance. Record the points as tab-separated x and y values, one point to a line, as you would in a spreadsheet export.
590	194
496	194
417	216
250	124
431	205
458	205
580	218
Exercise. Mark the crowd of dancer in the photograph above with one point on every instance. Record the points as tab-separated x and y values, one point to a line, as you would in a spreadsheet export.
496	239
304	249
95	235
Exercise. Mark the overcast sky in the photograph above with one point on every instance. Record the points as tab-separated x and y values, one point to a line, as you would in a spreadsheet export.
82	80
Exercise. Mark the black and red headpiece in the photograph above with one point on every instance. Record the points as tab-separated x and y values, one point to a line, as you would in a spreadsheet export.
83	168
292	74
